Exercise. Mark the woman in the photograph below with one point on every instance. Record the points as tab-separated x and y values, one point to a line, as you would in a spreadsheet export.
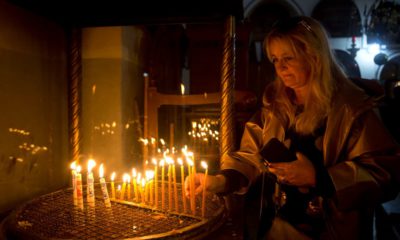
345	160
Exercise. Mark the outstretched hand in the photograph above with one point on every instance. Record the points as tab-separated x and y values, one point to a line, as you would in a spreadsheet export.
214	184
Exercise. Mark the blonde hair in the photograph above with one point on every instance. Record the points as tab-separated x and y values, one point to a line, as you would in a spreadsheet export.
309	39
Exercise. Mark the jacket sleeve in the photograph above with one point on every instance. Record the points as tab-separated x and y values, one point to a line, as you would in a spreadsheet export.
247	159
372	163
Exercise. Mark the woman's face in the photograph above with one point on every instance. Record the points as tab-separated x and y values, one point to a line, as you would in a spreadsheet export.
293	70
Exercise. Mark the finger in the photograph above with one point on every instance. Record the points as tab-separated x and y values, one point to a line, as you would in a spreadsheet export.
199	189
187	186
273	171
277	170
277	165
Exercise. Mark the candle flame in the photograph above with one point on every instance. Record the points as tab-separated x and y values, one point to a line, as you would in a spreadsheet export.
169	160
149	175
161	163
189	161
180	161
144	141
165	153
101	171
162	141
78	169
153	140
113	176
143	182
182	89
184	150
154	161
204	164
73	165
91	164
125	177
134	173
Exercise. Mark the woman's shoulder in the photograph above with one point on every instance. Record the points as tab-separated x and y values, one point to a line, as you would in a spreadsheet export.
353	98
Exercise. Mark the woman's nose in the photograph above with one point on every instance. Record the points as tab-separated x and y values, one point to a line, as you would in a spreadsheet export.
280	64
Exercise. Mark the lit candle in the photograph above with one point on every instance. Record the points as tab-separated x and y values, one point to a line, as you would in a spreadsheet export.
103	185
203	204
135	189
175	187
191	186
73	172
129	187
79	193
168	160
183	184
149	181
191	156
155	182
124	180
162	185
143	191
162	145
182	89
112	185
119	190
139	186
90	182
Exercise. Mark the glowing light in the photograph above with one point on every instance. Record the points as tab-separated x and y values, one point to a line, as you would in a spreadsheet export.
373	49
91	165
101	171
182	89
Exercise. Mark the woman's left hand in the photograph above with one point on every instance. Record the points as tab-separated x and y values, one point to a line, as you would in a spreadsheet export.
300	173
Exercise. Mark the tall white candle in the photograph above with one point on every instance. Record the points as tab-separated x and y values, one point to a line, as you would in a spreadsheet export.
79	193
90	183
73	173
103	186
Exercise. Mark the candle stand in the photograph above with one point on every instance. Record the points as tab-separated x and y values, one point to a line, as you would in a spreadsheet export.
54	216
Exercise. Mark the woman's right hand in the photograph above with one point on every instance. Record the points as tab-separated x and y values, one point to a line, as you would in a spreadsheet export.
214	184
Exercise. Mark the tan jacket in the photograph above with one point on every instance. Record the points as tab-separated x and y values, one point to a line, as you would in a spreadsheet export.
359	153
